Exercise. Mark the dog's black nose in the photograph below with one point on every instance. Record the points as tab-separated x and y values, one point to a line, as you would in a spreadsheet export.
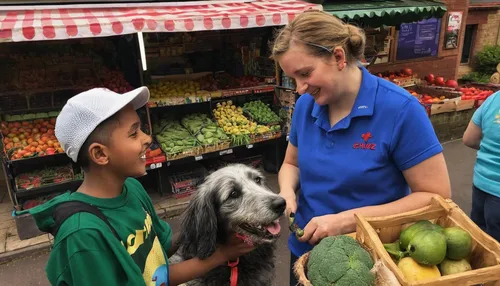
278	205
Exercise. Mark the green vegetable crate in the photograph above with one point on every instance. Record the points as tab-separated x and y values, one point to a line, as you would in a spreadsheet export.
373	232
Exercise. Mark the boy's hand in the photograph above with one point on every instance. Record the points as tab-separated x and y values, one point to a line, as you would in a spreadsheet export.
235	248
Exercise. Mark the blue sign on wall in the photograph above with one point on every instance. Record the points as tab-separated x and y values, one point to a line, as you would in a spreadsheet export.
418	39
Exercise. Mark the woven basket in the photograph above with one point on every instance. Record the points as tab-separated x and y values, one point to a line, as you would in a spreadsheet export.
384	276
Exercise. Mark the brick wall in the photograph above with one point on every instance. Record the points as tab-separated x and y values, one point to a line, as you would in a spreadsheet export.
447	62
452	125
487	33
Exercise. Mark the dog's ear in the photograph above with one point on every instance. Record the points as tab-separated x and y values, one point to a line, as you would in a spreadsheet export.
199	227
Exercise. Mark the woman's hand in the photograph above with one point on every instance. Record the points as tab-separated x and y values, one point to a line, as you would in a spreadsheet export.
291	202
320	227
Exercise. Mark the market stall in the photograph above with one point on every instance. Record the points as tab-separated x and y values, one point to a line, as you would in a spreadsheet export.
213	95
434	245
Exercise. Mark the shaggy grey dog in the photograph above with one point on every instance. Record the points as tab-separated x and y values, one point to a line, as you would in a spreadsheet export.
232	199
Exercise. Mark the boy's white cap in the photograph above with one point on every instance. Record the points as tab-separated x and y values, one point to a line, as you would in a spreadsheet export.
85	111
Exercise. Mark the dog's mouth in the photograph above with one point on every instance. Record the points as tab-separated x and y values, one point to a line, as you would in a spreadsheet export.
269	231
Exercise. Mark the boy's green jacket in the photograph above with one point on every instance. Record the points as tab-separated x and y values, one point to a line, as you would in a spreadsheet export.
86	252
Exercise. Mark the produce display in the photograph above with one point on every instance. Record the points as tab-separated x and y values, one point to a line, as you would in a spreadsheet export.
391	75
114	80
426	250
428	99
165	88
235	124
205	130
173	137
28	204
227	81
261	112
44	177
340	261
475	93
31	116
30	138
231	119
433	80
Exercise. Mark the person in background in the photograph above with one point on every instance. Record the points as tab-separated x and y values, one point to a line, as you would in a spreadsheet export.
483	134
359	144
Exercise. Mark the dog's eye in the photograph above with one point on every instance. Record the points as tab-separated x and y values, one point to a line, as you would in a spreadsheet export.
234	194
258	180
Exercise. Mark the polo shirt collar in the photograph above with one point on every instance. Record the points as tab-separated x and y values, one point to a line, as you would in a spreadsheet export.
363	106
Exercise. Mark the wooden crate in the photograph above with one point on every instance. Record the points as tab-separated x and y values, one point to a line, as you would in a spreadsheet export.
485	257
384	277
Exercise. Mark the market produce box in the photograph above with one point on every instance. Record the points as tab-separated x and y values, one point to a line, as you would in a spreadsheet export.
435	245
436	91
345	261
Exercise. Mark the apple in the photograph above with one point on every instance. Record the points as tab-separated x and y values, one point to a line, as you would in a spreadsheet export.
451	83
407	71
430	78
439	81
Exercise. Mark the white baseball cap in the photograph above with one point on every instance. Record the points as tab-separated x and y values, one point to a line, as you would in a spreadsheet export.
85	111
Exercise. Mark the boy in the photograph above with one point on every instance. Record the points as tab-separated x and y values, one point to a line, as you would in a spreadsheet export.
126	243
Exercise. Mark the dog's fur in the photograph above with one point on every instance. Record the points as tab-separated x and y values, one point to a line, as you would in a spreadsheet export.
229	198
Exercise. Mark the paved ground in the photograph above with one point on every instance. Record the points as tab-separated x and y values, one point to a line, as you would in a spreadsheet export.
460	161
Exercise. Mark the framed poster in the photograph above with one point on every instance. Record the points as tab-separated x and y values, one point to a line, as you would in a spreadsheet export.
418	39
452	30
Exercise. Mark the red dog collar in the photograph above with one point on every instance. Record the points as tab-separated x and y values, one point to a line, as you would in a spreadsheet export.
233	281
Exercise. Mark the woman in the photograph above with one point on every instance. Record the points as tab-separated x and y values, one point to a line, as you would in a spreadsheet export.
358	143
482	134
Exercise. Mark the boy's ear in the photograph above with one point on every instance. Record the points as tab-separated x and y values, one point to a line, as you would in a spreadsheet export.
98	154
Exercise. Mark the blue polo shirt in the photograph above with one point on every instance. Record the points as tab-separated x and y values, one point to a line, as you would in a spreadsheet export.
359	161
487	168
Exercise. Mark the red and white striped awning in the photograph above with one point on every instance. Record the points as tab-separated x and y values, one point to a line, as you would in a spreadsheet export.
65	22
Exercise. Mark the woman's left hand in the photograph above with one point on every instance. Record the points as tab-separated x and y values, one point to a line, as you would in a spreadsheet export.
320	227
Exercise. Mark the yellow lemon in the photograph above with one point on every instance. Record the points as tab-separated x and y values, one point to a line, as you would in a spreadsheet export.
414	271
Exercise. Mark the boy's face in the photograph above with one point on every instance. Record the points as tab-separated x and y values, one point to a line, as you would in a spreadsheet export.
127	145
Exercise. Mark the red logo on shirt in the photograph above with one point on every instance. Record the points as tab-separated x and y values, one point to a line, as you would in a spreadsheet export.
365	145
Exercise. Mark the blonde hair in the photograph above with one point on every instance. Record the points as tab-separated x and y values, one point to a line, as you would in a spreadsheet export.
320	33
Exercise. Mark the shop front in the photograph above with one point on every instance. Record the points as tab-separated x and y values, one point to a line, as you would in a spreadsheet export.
213	89
418	45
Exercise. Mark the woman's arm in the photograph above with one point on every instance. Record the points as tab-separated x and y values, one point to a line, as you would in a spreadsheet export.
472	136
288	177
426	179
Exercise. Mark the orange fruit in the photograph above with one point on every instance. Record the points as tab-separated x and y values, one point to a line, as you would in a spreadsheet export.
38	149
17	124
32	149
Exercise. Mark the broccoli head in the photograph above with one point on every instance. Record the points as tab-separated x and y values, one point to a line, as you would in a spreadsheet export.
340	261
